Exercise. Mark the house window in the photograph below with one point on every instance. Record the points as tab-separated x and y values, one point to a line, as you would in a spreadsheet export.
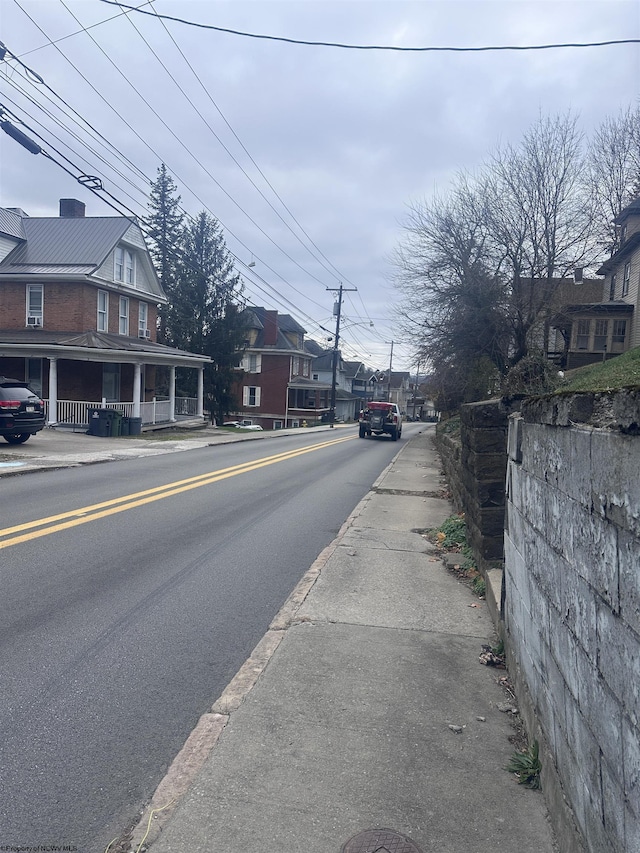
251	395
582	336
305	367
296	365
252	363
626	279
600	336
277	424
123	317
129	267
35	304
124	266
111	382
315	377
143	319
612	287
103	311
619	335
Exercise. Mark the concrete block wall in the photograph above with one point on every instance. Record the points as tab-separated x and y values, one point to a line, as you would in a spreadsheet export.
572	610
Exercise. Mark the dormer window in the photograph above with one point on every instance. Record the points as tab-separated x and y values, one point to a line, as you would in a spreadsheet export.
125	266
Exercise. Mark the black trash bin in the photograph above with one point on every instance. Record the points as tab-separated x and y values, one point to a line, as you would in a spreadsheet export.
124	425
99	423
135	426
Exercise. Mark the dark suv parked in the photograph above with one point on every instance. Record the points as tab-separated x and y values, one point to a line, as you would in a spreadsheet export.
21	411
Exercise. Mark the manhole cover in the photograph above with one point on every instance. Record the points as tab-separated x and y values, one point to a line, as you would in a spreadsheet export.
380	841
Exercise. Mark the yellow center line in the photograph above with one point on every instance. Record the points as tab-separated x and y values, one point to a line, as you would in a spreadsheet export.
111	507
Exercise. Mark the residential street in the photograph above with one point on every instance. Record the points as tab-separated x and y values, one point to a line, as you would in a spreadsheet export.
132	593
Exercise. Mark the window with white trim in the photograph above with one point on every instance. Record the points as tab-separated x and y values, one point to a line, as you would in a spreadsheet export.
35	304
582	335
252	362
123	316
619	335
143	319
251	395
626	279
102	323
124	267
601	335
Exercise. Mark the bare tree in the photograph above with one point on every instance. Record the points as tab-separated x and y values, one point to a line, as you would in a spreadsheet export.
614	172
453	301
540	218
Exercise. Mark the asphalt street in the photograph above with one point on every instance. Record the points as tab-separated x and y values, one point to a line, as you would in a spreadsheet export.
132	593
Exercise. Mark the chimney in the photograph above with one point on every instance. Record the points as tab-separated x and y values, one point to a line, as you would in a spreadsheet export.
71	208
270	328
577	275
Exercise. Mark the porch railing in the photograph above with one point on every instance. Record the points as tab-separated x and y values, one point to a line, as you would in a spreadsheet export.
156	411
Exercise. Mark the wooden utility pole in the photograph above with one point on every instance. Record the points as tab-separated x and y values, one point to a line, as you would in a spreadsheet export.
337	309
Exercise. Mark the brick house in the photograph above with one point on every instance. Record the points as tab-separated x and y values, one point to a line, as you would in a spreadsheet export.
275	387
603	328
79	298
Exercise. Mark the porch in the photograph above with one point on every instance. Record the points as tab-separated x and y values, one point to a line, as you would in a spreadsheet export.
159	410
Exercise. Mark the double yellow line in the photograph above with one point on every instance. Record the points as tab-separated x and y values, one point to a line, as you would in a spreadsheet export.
73	518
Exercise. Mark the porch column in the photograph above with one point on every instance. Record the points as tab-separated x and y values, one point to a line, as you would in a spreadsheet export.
172	393
52	415
200	411
137	387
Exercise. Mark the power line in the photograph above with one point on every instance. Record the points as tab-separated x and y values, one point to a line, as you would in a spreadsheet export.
244	148
390	47
84	29
160	159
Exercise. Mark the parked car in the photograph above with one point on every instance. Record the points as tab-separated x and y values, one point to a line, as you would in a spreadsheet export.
379	419
21	411
239	425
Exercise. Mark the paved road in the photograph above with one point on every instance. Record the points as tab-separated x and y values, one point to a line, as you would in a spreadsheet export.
127	610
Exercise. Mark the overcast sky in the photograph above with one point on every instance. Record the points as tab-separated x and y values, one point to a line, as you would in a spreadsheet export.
347	138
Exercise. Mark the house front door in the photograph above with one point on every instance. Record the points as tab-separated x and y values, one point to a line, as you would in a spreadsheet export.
111	382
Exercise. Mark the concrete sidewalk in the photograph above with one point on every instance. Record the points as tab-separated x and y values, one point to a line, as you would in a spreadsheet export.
341	722
64	448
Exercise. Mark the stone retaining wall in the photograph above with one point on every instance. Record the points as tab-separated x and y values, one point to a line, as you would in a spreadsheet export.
572	608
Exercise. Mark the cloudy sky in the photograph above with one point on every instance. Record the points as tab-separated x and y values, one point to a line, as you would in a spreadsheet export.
308	155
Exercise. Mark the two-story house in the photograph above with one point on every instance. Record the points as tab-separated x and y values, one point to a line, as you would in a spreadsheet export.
276	387
348	404
79	298
603	328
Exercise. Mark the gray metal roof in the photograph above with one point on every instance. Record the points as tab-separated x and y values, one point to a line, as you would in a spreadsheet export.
90	341
65	242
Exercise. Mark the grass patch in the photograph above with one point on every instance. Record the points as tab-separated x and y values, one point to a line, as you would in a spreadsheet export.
623	371
451	537
449	427
526	766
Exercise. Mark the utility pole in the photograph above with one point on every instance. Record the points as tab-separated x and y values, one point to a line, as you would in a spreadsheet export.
390	366
337	309
415	389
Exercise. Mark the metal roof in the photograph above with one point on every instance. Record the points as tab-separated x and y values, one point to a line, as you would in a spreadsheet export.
65	242
90	341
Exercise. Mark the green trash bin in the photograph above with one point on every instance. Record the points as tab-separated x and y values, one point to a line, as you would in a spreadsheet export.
116	423
124	425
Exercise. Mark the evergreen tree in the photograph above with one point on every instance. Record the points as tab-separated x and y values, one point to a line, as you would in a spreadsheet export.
165	234
204	315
